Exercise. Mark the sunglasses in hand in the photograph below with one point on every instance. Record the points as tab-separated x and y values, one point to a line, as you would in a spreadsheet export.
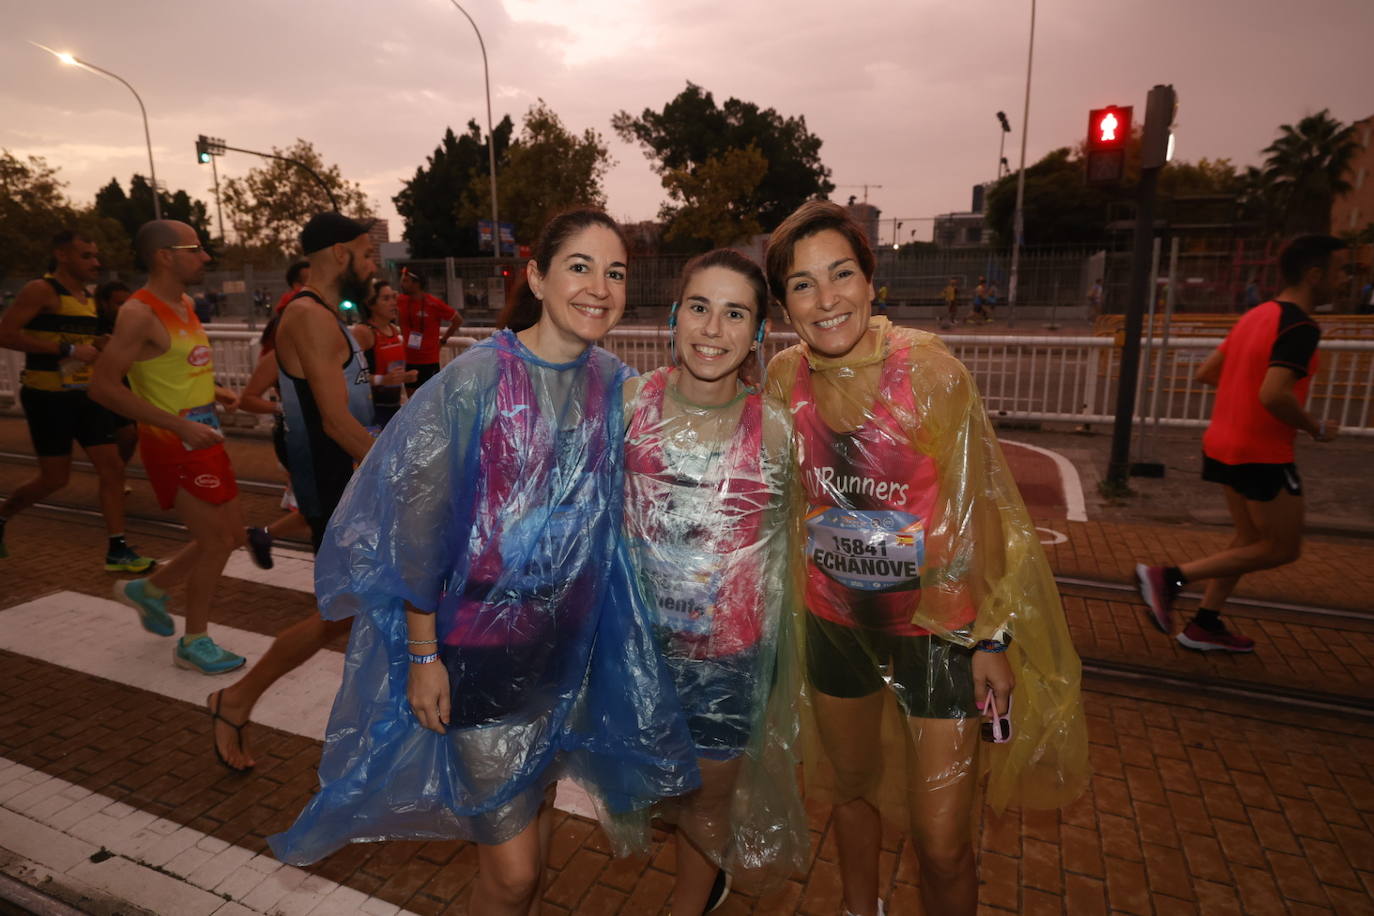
995	729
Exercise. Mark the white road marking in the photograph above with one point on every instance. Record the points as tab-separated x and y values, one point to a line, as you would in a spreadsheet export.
1068	478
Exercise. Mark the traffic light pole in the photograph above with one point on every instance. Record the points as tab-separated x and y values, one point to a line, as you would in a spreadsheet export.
219	204
1119	466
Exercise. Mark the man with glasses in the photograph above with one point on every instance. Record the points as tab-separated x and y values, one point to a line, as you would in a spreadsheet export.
160	345
56	325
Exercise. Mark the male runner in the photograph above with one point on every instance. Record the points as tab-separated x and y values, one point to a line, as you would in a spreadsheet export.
326	392
57	328
1262	371
297	275
420	315
160	345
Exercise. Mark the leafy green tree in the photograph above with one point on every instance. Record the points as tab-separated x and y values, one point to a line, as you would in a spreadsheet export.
692	130
712	198
33	207
547	169
268	206
134	209
1060	207
1306	168
432	200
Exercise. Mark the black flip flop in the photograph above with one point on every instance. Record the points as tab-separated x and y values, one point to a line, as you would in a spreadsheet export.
216	699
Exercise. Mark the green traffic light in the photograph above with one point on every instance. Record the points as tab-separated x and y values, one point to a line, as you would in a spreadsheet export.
204	157
347	305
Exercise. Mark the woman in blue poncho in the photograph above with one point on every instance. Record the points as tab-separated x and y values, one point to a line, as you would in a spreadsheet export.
497	646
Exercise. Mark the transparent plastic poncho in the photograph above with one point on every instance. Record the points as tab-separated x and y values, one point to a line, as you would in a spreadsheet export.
493	500
941	544
707	517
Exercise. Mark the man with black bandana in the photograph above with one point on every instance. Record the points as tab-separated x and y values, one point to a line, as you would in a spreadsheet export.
326	392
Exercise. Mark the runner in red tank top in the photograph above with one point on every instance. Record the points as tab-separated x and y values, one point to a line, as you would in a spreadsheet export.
1262	371
385	349
921	564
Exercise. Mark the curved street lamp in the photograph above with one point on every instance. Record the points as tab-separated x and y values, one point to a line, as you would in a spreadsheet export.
74	61
1018	218
491	136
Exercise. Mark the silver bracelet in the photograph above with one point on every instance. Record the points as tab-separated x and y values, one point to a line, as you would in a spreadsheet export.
424	659
422	642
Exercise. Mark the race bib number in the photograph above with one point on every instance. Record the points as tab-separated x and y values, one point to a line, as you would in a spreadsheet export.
868	550
684	596
415	340
204	415
75	375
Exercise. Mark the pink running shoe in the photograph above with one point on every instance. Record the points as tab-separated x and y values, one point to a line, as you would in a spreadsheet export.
1223	640
1158	593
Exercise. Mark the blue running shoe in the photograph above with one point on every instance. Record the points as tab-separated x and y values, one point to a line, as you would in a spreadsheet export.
201	654
152	612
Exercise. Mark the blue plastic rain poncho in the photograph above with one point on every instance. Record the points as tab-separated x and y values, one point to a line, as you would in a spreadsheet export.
708	517
493	500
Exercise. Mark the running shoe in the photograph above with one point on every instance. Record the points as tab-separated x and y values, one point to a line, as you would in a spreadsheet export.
126	560
152	612
201	654
1195	636
260	547
719	891
1158	593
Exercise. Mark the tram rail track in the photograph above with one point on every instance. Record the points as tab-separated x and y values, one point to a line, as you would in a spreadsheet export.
1095	668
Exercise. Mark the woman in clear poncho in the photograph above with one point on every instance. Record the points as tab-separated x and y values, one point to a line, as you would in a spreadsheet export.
497	645
926	587
708	481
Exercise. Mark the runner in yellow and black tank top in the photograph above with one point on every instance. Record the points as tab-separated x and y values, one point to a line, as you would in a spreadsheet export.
56	326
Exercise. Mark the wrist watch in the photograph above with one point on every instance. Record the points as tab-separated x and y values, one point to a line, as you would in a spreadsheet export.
998	643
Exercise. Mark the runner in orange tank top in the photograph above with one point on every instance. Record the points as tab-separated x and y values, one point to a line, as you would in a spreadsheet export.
1262	371
159	343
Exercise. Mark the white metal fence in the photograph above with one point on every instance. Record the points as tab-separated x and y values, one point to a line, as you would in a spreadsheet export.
1067	379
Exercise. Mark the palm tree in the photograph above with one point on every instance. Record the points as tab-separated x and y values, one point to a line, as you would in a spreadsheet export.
1305	170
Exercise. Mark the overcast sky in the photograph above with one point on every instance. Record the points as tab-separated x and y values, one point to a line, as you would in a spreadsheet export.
903	93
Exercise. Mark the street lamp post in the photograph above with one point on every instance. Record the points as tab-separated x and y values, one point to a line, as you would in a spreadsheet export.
1018	221
74	61
1002	143
491	136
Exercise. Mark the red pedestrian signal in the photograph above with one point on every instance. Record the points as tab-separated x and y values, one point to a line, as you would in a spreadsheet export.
1110	127
1108	131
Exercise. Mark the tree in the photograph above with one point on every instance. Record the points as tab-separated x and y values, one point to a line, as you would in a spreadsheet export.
268	206
1060	208
431	201
692	130
132	210
546	169
713	198
33	207
1306	170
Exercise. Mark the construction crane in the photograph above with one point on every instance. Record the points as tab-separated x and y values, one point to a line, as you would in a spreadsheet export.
864	186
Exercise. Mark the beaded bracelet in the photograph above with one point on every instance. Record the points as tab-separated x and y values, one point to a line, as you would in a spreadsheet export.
422	642
424	659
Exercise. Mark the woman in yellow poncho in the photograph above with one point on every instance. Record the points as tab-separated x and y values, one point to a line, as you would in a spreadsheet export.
925	585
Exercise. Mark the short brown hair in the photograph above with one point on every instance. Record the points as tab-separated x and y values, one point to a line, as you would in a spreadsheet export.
810	218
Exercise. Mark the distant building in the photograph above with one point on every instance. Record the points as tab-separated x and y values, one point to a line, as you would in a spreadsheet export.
966	229
1355	210
866	215
380	233
645	237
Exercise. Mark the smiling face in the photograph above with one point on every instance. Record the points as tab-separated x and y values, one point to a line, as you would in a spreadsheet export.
583	291
716	323
826	294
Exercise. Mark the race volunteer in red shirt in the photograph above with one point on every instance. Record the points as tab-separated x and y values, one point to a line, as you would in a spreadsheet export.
1262	372
420	315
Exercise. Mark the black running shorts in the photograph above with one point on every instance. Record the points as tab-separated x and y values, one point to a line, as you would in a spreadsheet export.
1256	482
57	418
932	678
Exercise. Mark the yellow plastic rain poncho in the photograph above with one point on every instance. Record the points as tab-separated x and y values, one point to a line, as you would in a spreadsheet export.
915	528
707	518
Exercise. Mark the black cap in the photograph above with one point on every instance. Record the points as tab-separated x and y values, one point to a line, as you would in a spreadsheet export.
325	229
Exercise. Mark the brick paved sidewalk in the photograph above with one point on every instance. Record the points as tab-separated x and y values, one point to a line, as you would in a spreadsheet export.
1198	804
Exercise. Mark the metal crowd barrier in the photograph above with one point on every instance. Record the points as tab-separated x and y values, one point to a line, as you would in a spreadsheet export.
1036	378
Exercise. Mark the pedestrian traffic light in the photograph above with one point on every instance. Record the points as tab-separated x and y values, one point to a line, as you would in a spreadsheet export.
1157	140
203	149
1109	130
